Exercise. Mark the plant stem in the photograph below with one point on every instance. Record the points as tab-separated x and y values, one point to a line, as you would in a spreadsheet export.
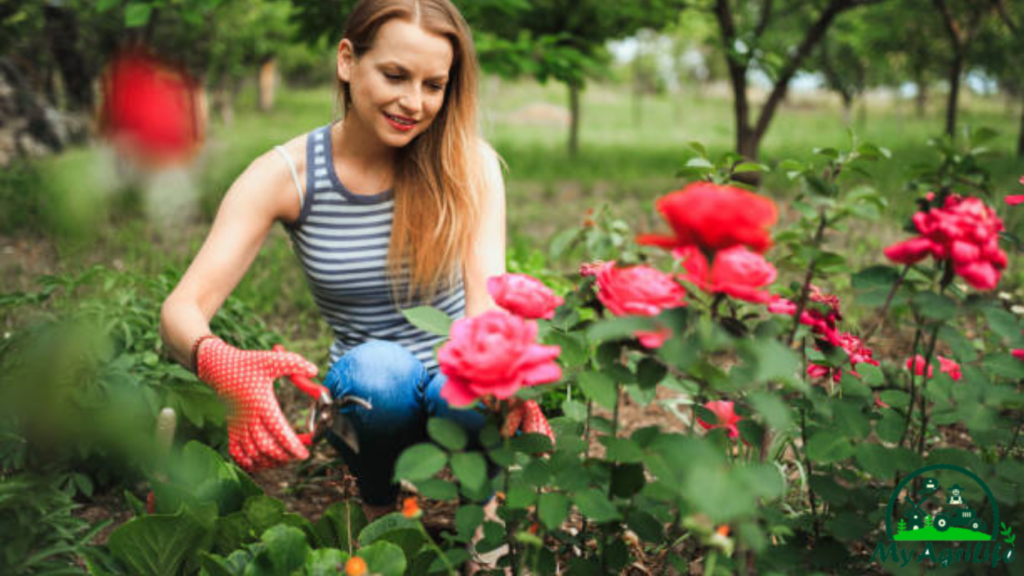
913	387
808	277
810	471
436	548
885	307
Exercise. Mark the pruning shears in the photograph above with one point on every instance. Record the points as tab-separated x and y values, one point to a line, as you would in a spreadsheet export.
325	414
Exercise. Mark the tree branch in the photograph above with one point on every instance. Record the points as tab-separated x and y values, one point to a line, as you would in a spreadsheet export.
766	13
1000	6
811	38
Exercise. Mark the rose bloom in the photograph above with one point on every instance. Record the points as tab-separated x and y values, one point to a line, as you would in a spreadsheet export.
715	217
855	349
150	110
964	231
524	295
736	271
946	366
639	291
822	321
495	353
727	418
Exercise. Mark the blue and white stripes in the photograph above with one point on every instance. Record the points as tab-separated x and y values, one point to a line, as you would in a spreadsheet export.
341	240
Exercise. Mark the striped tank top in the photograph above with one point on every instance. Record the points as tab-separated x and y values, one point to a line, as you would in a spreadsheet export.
341	240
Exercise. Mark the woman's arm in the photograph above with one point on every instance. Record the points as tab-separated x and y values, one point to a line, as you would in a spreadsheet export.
488	257
261	195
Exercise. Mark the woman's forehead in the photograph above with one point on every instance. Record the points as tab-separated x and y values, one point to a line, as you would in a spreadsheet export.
413	48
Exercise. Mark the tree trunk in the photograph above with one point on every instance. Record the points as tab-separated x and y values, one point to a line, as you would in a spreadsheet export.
1020	136
955	72
847	107
62	31
574	119
267	85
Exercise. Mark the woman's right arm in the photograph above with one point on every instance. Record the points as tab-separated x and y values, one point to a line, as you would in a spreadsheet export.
257	198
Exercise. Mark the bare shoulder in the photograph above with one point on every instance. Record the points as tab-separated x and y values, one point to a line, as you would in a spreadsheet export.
491	161
268	182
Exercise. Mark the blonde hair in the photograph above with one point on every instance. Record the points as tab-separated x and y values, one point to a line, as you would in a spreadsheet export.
439	175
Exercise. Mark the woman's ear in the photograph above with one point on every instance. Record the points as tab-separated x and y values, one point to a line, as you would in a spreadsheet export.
346	58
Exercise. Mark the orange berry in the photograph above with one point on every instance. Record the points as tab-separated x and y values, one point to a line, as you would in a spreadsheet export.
355	566
723	530
410	509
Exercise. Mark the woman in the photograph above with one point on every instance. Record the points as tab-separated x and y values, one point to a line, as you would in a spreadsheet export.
397	205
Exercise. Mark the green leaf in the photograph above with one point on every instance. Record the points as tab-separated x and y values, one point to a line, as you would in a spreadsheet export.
447	433
102	6
595	505
325	562
619	328
285	549
262	512
470	469
650	373
827	445
776	412
890	427
339	526
380	527
870	374
384	558
420	462
963	350
1004	324
137	14
599	387
520	496
573	348
621	450
1004	365
750	167
575	410
429	319
699	162
552	508
437	489
627	480
850	421
647	527
157	544
562	241
467	519
934	306
875	460
531	443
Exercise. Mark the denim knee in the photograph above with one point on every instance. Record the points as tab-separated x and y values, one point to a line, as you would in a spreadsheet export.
386	375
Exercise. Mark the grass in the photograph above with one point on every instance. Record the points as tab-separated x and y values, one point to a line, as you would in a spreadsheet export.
97	210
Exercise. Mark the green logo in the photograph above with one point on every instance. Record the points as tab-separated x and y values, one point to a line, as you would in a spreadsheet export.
947	504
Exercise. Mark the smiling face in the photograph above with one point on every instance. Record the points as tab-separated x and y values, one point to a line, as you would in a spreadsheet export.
397	87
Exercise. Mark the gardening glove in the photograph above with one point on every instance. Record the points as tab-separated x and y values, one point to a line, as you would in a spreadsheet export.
528	417
259	436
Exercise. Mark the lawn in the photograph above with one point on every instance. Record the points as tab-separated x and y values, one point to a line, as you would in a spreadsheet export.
953	534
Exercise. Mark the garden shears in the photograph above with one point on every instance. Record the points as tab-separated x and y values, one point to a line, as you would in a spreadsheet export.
325	414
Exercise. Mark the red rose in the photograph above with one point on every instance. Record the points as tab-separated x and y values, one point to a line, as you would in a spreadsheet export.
950	367
494	353
736	271
964	231
524	295
715	217
918	366
727	418
150	109
637	290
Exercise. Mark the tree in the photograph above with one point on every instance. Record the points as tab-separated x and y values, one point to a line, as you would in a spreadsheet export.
776	37
998	51
927	521
961	21
901	527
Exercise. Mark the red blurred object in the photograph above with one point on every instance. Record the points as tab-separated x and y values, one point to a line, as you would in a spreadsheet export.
151	110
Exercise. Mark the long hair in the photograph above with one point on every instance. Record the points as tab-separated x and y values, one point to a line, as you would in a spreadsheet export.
439	175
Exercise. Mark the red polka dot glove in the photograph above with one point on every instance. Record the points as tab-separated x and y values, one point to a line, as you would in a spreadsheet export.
527	417
259	436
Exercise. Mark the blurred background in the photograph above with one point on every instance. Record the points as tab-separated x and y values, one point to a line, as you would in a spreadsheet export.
588	101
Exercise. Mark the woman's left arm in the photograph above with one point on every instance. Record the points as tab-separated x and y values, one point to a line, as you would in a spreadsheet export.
488	253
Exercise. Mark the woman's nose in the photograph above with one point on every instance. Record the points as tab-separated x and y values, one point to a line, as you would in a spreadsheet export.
411	101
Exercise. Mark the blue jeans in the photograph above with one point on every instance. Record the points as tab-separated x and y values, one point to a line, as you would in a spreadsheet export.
403	395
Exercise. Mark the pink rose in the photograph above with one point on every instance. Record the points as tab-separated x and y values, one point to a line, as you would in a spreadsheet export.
637	290
524	295
950	367
727	418
1018	353
964	231
780	305
736	271
495	353
654	339
918	365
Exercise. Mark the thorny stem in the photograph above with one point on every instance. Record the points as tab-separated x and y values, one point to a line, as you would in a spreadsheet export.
947	278
885	307
810	471
913	387
808	277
